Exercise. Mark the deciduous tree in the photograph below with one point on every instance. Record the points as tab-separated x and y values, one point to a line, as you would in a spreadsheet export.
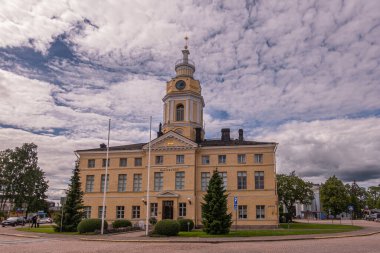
292	189
24	183
334	196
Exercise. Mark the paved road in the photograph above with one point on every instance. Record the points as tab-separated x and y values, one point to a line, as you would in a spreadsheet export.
366	244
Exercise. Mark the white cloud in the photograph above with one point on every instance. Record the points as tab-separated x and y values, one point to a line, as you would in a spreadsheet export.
347	148
261	65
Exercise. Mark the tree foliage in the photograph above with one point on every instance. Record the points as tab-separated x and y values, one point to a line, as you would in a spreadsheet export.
73	207
292	189
22	180
215	218
334	196
357	198
373	197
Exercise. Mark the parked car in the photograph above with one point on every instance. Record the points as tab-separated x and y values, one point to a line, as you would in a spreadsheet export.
46	220
13	221
372	216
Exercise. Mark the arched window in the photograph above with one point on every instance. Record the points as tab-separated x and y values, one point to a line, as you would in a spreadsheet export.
180	112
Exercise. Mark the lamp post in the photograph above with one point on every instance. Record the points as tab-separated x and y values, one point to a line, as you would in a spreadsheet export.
62	202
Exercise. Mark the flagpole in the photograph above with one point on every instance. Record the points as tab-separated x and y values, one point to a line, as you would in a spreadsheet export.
105	178
148	182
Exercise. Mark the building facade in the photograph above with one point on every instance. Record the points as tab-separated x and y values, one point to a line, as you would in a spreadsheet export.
182	163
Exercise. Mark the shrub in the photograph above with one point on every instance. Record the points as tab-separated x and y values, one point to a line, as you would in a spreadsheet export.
167	227
90	225
183	224
152	220
121	224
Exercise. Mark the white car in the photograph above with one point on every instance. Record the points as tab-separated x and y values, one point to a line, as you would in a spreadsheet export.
46	220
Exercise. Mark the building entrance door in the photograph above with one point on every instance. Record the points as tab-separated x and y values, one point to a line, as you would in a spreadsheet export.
167	210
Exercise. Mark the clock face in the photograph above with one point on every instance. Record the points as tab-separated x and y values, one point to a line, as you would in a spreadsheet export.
180	85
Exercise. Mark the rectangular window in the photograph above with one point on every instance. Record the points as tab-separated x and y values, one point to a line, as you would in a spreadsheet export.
91	163
158	181
242	212
222	159
104	162
258	158
180	180
138	161
205	159
100	210
120	212
205	178
90	183
180	159
182	209
103	178
259	180
241	158
224	177
123	162
159	159
137	182
87	212
153	209
242	180
135	212
260	212
122	183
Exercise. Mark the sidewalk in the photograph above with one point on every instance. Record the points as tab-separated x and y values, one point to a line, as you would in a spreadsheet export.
370	228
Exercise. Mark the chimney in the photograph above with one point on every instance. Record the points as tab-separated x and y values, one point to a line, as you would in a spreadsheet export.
198	135
225	134
241	138
159	133
103	145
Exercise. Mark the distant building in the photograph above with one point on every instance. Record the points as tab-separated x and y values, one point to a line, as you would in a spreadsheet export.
312	211
182	162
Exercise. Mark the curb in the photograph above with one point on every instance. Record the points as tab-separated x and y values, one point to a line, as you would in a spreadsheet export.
233	241
21	235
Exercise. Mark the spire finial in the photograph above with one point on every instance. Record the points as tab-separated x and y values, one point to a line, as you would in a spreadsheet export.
186	39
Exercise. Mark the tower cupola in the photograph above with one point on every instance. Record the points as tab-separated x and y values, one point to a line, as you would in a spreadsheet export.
185	67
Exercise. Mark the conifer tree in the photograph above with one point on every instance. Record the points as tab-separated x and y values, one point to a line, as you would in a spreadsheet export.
215	218
73	207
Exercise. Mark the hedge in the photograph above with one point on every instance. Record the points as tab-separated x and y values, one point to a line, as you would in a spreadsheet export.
90	225
121	224
167	227
183	224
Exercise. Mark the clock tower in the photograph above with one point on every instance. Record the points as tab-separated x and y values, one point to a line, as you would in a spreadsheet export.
183	102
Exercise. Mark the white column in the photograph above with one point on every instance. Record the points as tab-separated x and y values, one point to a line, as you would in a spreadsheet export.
191	110
187	110
199	113
171	111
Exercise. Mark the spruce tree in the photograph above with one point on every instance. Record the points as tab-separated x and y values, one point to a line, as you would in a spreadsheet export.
215	218
73	207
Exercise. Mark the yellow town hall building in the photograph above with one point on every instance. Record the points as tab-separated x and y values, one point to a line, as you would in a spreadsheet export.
182	162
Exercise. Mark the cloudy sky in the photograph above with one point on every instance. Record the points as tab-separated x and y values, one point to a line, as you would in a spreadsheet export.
305	74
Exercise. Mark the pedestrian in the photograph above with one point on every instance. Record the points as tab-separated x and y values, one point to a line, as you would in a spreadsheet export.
34	221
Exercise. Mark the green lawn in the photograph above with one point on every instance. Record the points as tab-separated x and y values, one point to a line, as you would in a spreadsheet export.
44	229
295	229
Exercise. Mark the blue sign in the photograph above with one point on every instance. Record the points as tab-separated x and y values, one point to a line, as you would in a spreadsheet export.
235	203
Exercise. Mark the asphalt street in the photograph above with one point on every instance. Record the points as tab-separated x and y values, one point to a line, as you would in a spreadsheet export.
362	244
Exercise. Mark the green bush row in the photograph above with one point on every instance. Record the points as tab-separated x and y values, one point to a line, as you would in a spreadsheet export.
90	225
172	227
121	224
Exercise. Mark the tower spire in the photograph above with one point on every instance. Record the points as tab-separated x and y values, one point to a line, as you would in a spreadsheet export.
184	66
186	39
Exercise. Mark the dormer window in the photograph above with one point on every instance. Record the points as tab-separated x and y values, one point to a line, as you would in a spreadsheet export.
180	112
